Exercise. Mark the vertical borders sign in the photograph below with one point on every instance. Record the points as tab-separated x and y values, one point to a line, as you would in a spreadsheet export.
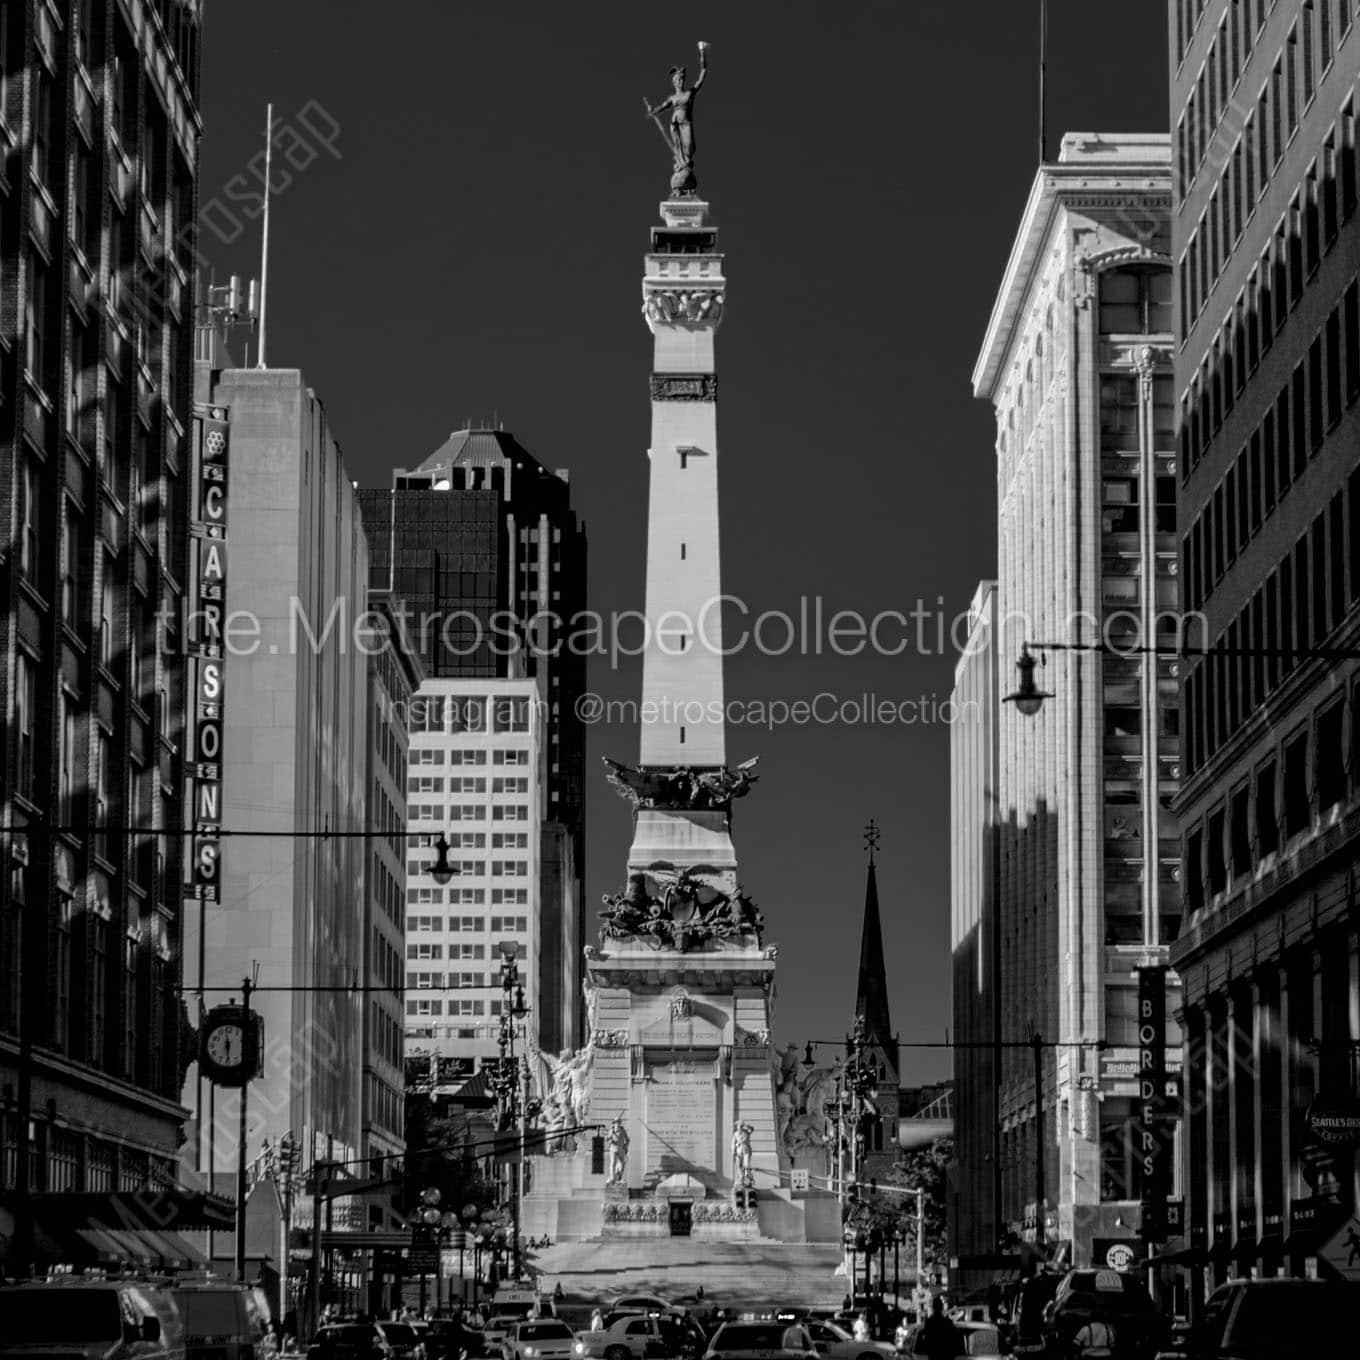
1153	1146
207	661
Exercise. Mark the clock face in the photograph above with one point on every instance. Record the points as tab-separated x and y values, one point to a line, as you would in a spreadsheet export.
226	1045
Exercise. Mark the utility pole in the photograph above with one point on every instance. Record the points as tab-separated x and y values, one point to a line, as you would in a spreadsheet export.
314	1283
1036	1044
246	1032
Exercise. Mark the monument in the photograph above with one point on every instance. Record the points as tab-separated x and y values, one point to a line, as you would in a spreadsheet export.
677	1131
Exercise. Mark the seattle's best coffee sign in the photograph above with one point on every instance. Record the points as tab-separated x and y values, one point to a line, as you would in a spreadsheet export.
208	581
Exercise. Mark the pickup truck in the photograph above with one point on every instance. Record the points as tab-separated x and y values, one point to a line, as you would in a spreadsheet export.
629	1337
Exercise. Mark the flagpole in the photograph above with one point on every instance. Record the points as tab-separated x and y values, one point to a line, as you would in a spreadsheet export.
1043	72
264	243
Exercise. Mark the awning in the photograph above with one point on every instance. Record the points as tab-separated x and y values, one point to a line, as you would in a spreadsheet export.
1182	1256
170	1210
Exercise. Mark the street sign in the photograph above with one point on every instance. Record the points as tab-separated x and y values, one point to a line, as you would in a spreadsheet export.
1342	1250
422	1261
800	1180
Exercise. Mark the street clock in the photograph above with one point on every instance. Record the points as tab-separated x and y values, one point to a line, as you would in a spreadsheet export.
231	1045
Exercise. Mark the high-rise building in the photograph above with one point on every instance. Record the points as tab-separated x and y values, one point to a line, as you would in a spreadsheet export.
278	737
975	1223
98	110
1077	363
1264	236
394	675
482	544
476	776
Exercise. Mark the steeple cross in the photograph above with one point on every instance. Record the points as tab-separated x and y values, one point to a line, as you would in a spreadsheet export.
871	838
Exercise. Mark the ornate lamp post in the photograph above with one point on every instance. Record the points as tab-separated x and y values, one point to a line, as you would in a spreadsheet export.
512	1095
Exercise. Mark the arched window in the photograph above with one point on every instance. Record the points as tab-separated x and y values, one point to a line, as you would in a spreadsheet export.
1136	300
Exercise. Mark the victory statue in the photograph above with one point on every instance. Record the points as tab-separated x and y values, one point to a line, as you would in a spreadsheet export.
681	138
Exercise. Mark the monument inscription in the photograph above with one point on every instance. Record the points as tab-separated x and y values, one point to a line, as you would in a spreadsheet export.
681	1115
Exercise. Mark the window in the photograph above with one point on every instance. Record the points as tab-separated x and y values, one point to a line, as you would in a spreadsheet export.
28	518
1217	866
25	720
66	758
1331	770
1239	831
1297	811
1119	414
60	971
35	318
1291	79
1308	85
42	124
98	983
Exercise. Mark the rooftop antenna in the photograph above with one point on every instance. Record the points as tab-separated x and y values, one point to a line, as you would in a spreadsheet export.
264	239
871	839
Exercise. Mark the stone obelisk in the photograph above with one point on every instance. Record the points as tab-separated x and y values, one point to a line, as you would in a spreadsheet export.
682	981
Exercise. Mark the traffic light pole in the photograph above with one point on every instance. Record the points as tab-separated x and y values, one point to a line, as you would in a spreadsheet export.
246	1039
314	1280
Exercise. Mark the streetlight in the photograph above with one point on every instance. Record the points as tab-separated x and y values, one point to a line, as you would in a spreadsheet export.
442	870
1028	697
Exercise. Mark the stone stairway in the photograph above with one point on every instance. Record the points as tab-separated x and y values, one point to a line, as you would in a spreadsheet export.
735	1275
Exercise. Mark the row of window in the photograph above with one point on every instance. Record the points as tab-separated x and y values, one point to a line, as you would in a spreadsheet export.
425	949
435	1006
1324	384
468	897
468	713
1302	237
1304	779
1299	603
450	981
1213	116
1242	21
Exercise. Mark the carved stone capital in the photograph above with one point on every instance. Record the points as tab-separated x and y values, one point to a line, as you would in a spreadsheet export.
684	307
611	1038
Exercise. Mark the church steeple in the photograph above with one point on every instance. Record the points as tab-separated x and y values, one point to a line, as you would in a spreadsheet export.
871	993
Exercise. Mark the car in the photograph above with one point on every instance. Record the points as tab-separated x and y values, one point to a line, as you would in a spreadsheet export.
643	1303
1275	1320
539	1339
1118	1300
349	1341
90	1320
625	1336
497	1328
403	1340
761	1341
831	1339
980	1338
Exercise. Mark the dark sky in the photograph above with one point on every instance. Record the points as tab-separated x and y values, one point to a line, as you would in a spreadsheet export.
474	247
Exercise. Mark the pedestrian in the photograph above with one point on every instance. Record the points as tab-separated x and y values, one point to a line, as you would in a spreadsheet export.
597	1321
699	1294
939	1339
861	1328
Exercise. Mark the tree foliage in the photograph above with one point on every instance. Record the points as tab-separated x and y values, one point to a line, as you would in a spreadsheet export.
927	1168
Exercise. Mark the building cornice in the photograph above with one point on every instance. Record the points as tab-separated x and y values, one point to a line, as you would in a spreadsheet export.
1080	186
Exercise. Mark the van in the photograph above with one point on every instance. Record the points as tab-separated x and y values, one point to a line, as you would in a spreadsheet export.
222	1321
83	1318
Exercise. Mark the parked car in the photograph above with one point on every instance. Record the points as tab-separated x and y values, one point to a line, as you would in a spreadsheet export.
1276	1320
90	1320
1119	1301
497	1328
761	1341
831	1339
539	1339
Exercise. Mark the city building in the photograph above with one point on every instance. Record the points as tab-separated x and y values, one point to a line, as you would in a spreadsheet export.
394	675
99	118
975	1222
1077	363
475	775
1264	235
880	1045
279	670
481	542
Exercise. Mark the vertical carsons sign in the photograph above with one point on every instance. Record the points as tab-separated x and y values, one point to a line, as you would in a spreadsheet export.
207	666
1154	1123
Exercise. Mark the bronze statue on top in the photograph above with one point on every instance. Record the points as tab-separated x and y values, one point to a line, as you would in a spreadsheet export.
681	138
